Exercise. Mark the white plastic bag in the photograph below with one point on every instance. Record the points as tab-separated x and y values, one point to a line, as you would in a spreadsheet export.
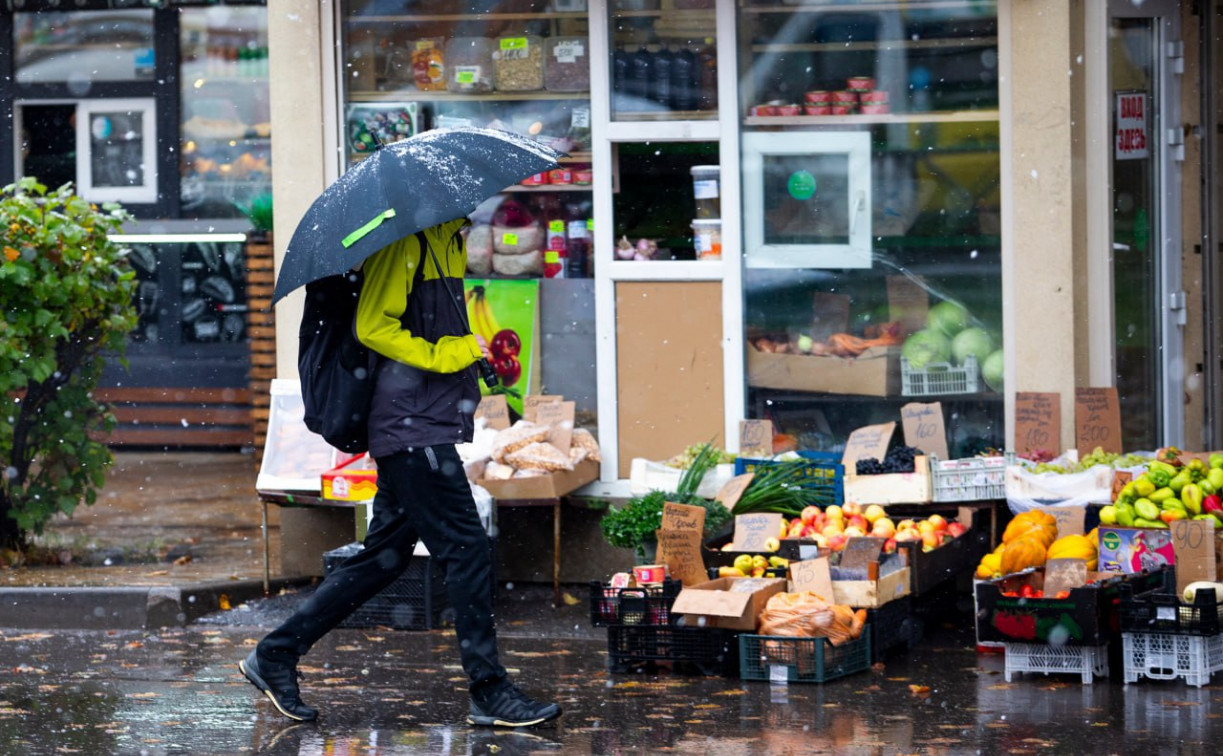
1031	490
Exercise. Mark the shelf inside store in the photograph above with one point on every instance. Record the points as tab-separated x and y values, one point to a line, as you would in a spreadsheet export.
399	18
882	44
937	241
550	188
865	6
951	116
665	115
577	157
416	95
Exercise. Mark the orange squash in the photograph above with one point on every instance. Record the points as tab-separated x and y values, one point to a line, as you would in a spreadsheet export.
1023	553
1033	522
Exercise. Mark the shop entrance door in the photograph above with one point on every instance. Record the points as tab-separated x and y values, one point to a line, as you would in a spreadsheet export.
1148	300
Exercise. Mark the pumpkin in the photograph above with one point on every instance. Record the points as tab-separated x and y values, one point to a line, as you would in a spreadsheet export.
990	567
1072	547
1035	522
1023	553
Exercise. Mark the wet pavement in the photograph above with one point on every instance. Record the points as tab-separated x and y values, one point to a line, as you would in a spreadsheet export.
395	692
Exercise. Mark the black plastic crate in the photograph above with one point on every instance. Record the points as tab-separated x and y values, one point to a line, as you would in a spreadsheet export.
649	605
894	627
1162	611
706	651
779	659
417	600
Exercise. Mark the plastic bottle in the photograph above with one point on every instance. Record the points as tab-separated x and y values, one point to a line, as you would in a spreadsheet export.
556	250
683	80
660	90
641	69
620	69
707	78
578	245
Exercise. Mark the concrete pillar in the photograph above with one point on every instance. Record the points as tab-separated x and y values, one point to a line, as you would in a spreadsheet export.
1043	291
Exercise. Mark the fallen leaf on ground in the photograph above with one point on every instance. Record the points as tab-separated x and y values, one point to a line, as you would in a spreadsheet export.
184	559
921	691
570	599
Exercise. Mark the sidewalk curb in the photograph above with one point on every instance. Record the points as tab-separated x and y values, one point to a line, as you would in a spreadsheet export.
126	608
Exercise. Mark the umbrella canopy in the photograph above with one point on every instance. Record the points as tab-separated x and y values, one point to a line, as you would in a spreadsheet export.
402	188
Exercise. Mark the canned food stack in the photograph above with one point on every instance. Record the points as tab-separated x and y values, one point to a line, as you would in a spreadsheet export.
707	226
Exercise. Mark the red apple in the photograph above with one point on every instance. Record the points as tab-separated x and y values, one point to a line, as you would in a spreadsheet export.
508	369
796	529
889	546
938	521
809	531
957	529
931	540
837	542
808	514
859	522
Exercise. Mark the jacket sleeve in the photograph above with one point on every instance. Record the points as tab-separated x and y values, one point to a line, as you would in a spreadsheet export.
384	298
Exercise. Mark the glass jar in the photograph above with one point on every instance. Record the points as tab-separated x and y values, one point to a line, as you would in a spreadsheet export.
519	63
469	65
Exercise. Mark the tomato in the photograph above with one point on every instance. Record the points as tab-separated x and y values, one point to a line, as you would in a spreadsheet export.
1063	594
1026	591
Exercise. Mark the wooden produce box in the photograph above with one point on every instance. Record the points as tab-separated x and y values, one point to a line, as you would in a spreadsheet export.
872	594
551	486
891	488
876	372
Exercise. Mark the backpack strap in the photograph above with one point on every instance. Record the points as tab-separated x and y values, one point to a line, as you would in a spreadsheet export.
420	266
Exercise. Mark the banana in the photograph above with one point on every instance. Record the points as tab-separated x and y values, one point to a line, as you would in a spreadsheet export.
490	320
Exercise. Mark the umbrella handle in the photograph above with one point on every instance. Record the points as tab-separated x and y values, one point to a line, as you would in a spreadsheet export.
487	373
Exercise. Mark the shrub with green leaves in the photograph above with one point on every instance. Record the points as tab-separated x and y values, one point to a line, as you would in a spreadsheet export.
67	292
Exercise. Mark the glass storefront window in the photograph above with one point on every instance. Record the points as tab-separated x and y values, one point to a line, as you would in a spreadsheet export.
663	63
410	67
79	48
667	206
226	126
887	123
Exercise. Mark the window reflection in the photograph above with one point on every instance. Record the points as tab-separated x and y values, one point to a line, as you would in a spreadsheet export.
80	47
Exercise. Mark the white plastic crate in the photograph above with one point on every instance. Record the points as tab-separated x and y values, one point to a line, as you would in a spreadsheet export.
940	378
1160	656
1087	661
972	479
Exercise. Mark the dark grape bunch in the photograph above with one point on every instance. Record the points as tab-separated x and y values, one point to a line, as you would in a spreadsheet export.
899	459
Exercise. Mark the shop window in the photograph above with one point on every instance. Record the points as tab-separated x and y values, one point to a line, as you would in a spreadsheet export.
79	48
912	93
226	127
663	61
667	203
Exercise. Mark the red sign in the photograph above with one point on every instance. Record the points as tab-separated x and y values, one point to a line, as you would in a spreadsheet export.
1132	133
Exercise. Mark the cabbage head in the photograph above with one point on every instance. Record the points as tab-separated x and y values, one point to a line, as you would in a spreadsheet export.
991	371
947	317
971	342
926	346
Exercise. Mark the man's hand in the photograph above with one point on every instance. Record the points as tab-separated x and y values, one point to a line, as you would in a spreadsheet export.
485	352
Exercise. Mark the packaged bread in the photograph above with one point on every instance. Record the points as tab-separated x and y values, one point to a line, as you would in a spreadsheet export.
539	455
517	436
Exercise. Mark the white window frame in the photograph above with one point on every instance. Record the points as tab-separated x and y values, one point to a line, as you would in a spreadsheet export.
144	193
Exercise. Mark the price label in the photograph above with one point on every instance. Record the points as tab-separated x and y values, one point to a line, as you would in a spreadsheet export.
556	226
1167	613
509	238
1038	418
466	74
568	52
779	673
515	48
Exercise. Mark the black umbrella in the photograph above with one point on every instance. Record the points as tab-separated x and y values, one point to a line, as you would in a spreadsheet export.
402	188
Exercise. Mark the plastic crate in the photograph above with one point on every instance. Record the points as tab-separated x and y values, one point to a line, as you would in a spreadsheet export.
939	378
633	606
706	651
1162	611
973	479
894	627
779	659
1160	656
417	600
1087	661
824	468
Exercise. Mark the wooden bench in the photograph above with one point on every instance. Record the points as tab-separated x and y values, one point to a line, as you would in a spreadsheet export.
179	417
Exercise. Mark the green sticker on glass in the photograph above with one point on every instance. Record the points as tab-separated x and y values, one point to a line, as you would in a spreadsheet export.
556	227
514	43
465	75
801	185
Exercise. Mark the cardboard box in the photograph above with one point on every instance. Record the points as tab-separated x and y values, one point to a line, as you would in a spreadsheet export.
891	488
715	604
876	372
872	594
1087	617
353	480
549	486
1131	550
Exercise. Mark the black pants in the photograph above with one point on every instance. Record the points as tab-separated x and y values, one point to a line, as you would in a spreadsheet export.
422	493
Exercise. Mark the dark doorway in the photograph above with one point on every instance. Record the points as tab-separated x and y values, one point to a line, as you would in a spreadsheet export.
48	143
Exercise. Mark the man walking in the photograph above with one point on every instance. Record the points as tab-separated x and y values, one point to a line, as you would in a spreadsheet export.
425	395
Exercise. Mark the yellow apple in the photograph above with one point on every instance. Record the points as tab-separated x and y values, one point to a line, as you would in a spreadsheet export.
851	508
772	544
853	531
833	512
883	528
874	512
743	563
925	526
833	528
905	525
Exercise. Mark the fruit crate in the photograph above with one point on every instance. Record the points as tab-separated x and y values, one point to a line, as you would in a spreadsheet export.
1161	656
1087	661
1162	611
894	627
973	479
417	600
939	378
650	605
824	468
706	651
778	659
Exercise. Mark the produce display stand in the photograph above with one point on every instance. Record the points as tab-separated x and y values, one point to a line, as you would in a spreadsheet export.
1165	638
1086	661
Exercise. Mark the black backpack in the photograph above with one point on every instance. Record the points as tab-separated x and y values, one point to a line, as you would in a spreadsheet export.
337	370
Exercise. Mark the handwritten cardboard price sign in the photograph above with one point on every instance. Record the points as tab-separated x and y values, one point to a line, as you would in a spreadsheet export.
1064	575
558	416
495	411
733	490
1038	422
923	427
680	550
753	530
813	575
682	517
1097	420
1193	542
530	405
868	441
756	438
